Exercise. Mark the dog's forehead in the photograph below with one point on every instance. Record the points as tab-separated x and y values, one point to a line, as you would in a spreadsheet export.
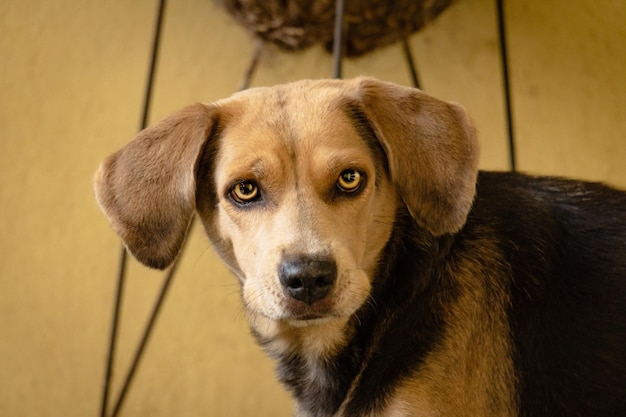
299	91
302	114
280	104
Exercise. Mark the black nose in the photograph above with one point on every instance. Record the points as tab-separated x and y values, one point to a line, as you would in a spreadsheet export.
307	278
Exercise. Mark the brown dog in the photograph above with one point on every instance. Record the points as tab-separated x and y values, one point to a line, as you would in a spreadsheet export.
380	270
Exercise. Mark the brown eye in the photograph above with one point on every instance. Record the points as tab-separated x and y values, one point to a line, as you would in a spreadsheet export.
349	180
245	192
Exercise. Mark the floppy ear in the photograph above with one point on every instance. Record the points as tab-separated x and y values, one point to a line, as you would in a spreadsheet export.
431	148
147	189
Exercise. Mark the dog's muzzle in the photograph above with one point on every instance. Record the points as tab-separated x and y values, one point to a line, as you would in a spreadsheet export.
307	278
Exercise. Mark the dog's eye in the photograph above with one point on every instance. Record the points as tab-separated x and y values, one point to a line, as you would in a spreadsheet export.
349	180
245	192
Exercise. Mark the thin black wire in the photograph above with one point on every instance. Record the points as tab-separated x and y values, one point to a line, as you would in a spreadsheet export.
119	294
148	330
408	55
121	274
252	66
506	84
338	39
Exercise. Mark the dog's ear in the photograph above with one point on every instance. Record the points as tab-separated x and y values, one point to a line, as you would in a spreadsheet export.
431	149
147	189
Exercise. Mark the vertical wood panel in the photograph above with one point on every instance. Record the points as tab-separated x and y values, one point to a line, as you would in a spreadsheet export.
568	63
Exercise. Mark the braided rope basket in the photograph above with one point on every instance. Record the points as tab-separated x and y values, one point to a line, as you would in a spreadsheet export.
295	25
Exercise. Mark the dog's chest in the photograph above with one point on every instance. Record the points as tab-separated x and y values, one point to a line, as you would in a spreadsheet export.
318	399
340	386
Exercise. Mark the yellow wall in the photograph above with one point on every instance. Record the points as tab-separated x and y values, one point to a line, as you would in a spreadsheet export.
72	76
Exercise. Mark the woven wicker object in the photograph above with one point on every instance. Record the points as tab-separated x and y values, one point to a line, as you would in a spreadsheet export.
294	25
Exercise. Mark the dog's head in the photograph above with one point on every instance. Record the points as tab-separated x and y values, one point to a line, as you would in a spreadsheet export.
297	186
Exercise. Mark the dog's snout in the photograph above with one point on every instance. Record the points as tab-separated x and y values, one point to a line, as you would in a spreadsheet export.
307	279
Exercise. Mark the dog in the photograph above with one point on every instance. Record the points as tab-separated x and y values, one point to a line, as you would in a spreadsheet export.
379	268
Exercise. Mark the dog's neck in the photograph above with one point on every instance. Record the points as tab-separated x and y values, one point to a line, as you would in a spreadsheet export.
330	366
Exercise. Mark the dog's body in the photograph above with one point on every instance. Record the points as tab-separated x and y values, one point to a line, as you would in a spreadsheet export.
384	275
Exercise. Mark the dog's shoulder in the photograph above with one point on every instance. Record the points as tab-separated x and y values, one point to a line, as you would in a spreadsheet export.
504	191
560	225
563	196
564	242
551	217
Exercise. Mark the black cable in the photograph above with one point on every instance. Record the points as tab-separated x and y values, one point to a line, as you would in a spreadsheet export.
408	55
506	84
113	333
148	330
121	275
338	39
252	66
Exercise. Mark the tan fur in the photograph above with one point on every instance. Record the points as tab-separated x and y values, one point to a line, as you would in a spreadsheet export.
294	141
471	372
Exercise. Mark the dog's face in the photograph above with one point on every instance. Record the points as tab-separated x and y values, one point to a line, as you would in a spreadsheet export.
297	187
304	203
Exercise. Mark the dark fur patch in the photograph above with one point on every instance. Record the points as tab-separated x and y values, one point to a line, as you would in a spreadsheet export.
322	397
206	195
566	244
365	130
402	323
